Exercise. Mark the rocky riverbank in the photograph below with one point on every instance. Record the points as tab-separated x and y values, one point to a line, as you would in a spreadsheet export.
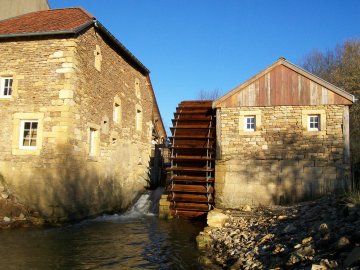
14	214
322	234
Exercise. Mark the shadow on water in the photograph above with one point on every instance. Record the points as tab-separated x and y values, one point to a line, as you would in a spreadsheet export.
129	241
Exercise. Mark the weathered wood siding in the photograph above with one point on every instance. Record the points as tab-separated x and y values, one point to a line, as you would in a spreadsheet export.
283	86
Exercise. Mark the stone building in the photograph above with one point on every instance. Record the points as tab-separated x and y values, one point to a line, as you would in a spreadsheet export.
12	8
78	114
282	136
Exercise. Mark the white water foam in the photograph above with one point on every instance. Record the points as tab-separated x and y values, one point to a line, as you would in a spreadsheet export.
146	205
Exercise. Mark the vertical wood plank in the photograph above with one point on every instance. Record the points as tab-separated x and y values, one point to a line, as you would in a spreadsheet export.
312	93
262	92
268	89
294	89
306	92
277	85
257	93
273	87
331	97
324	96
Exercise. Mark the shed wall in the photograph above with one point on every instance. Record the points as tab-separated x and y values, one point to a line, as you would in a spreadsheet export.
281	162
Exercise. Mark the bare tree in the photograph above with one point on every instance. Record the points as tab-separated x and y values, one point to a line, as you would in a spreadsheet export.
209	94
341	67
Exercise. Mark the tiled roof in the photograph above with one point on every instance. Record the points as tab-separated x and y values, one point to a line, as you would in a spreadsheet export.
55	20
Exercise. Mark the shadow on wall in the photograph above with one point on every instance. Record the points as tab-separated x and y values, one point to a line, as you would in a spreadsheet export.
293	168
308	167
156	174
75	189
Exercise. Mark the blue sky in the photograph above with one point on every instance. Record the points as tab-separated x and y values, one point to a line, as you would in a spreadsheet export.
190	45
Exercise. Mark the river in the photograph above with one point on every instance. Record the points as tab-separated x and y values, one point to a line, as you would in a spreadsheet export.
136	239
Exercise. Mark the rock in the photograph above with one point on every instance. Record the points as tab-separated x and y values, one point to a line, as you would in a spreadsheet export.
329	264
342	243
205	260
22	216
246	208
306	240
306	251
4	195
290	228
216	218
353	257
278	249
282	217
309	235
323	228
294	259
317	267
7	219
203	240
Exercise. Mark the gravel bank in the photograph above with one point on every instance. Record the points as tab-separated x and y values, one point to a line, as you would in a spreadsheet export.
322	234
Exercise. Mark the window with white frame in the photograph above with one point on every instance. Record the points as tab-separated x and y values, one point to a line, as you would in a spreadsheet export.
314	122
249	123
6	87
28	134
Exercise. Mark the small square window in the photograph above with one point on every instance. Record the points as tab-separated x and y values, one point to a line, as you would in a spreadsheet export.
28	134
6	87
314	122
249	123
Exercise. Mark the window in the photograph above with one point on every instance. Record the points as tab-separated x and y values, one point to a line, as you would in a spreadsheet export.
250	123
138	119
105	125
92	146
28	134
6	87
314	122
93	132
117	113
137	88
98	58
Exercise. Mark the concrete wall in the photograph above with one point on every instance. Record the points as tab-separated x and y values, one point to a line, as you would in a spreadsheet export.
12	8
281	161
70	85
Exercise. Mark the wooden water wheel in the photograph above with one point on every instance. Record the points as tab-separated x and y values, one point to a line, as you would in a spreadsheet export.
191	190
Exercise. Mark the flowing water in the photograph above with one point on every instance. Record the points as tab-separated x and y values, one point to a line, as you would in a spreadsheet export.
136	239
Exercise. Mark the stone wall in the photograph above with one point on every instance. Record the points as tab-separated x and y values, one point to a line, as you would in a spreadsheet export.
281	161
70	85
